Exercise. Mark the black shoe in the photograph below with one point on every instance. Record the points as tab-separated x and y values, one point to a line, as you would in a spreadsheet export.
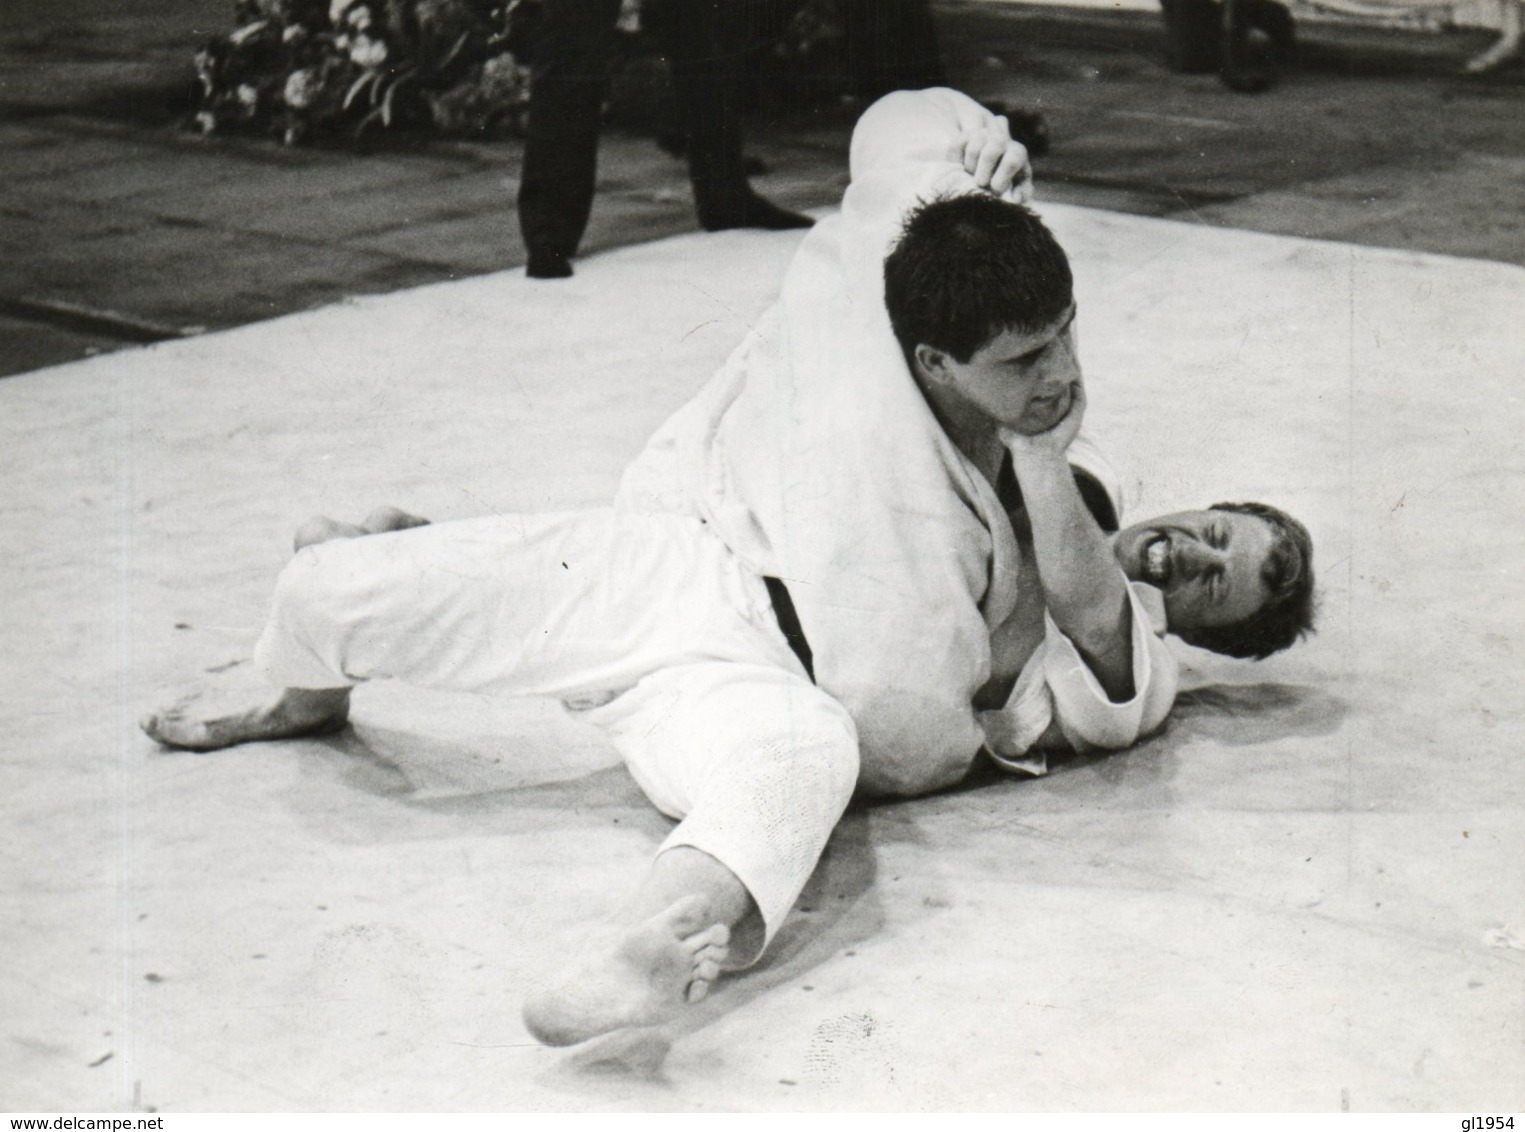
749	211
1259	43
543	265
1193	35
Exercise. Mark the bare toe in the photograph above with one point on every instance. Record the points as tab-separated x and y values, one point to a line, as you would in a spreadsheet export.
716	937
176	725
388	518
649	972
320	528
685	917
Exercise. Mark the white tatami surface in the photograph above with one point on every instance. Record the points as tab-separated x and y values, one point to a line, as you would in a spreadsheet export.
1308	893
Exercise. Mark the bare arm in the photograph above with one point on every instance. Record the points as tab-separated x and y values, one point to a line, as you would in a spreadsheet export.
1084	589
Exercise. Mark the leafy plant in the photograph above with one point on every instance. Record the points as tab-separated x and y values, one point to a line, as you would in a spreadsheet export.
312	69
336	70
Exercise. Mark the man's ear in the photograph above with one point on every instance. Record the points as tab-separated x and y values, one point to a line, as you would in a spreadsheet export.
931	364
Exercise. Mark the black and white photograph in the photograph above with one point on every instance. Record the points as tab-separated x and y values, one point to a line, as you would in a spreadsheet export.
762	556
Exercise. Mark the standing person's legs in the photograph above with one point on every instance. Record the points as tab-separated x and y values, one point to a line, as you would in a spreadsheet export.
571	80
893	44
706	43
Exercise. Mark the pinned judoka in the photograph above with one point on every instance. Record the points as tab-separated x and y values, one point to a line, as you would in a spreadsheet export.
872	547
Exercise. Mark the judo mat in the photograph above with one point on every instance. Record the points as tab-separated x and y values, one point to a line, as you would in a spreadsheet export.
1307	893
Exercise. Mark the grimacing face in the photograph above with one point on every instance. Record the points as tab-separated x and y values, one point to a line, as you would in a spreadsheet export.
1020	380
1210	565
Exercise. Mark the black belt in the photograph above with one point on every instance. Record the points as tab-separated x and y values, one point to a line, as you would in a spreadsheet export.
789	622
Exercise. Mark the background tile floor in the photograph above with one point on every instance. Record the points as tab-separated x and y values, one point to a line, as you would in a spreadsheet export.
118	225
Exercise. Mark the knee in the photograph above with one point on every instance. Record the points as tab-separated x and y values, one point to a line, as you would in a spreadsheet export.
844	777
809	767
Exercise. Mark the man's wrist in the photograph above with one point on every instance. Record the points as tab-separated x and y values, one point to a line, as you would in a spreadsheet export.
1035	463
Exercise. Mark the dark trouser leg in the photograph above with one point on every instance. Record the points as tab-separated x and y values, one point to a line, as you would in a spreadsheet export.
706	42
893	45
561	154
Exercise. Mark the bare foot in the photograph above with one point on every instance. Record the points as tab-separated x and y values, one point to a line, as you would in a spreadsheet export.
385	519
320	528
209	721
641	977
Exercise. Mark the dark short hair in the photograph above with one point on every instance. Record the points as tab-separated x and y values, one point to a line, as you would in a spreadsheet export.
1288	616
968	268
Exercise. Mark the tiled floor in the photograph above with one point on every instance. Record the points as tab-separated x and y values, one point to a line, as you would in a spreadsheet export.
110	205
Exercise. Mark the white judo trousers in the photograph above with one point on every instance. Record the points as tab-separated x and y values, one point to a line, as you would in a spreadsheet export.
645	624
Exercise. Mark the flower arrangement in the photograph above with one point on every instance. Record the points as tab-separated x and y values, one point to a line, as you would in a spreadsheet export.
336	70
330	69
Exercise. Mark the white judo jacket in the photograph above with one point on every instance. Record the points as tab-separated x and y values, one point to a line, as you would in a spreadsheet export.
815	457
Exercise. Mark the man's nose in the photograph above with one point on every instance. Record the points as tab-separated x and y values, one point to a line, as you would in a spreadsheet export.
1193	557
1061	363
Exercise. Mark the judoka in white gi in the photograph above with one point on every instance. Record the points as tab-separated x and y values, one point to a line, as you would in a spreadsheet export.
810	583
